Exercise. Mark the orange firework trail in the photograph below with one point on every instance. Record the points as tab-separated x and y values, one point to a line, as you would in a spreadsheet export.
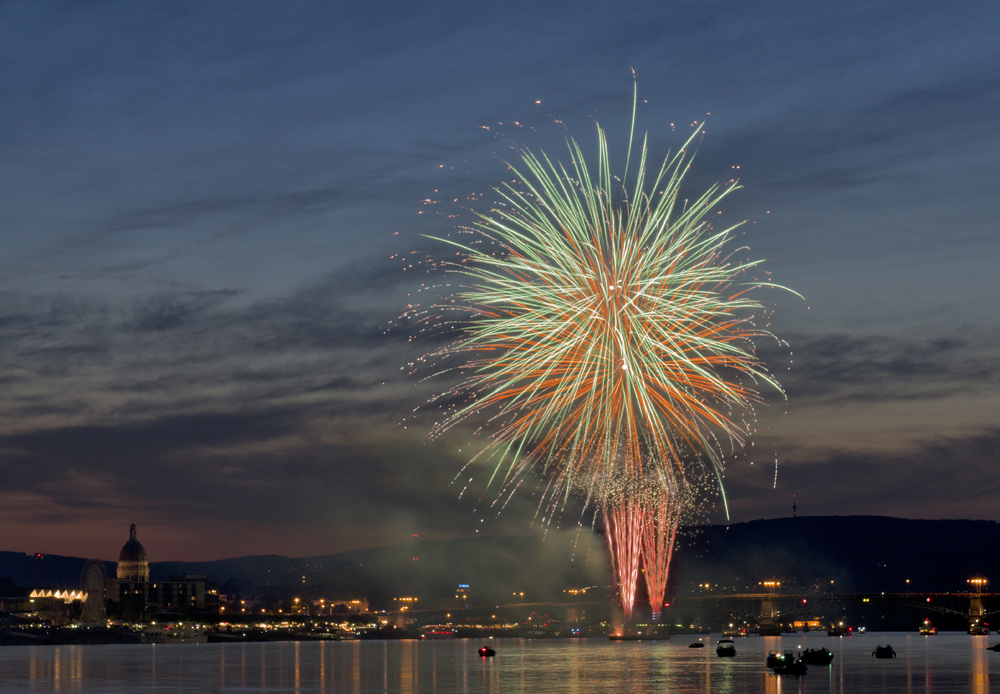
606	330
625	521
659	531
641	522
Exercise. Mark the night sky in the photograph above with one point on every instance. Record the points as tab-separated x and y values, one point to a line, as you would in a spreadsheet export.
200	205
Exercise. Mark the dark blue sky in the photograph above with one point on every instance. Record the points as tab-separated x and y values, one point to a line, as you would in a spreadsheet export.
199	203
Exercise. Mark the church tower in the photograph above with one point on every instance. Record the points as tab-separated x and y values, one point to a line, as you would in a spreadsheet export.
132	563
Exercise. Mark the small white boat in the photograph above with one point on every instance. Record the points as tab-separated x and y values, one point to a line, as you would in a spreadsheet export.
172	634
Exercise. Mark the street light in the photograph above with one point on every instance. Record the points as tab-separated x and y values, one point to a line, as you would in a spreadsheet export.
978	583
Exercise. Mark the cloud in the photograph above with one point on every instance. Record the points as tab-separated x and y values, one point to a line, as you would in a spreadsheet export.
282	412
844	367
940	477
361	485
331	335
198	315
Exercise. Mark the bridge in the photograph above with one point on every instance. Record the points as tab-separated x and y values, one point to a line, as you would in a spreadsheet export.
976	607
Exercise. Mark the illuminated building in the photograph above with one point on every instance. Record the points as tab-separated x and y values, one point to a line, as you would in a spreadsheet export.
459	599
132	563
54	606
132	595
322	606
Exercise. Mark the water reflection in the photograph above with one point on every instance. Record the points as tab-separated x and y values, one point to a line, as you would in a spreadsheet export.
355	671
980	683
772	685
947	662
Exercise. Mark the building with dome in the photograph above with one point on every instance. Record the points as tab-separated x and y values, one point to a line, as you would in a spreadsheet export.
134	597
132	562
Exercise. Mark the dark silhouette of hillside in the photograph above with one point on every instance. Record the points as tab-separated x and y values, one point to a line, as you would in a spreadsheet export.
53	571
495	567
857	553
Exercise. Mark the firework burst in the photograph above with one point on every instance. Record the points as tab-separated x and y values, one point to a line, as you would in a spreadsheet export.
605	342
603	325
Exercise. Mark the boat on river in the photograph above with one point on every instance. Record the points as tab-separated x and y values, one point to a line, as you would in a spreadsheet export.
725	648
816	656
883	652
791	669
777	659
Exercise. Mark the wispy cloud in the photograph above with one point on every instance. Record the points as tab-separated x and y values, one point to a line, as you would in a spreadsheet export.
939	477
867	368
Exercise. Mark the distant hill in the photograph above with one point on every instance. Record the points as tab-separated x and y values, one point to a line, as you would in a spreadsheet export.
493	566
53	571
857	553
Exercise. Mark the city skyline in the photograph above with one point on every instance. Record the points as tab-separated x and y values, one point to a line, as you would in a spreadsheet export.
208	217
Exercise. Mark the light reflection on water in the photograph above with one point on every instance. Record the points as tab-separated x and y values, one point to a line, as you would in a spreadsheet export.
944	663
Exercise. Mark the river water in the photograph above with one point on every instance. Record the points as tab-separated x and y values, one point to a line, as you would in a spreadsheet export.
948	662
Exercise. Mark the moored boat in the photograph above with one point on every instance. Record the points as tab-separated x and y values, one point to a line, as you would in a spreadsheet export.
437	631
172	634
653	634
